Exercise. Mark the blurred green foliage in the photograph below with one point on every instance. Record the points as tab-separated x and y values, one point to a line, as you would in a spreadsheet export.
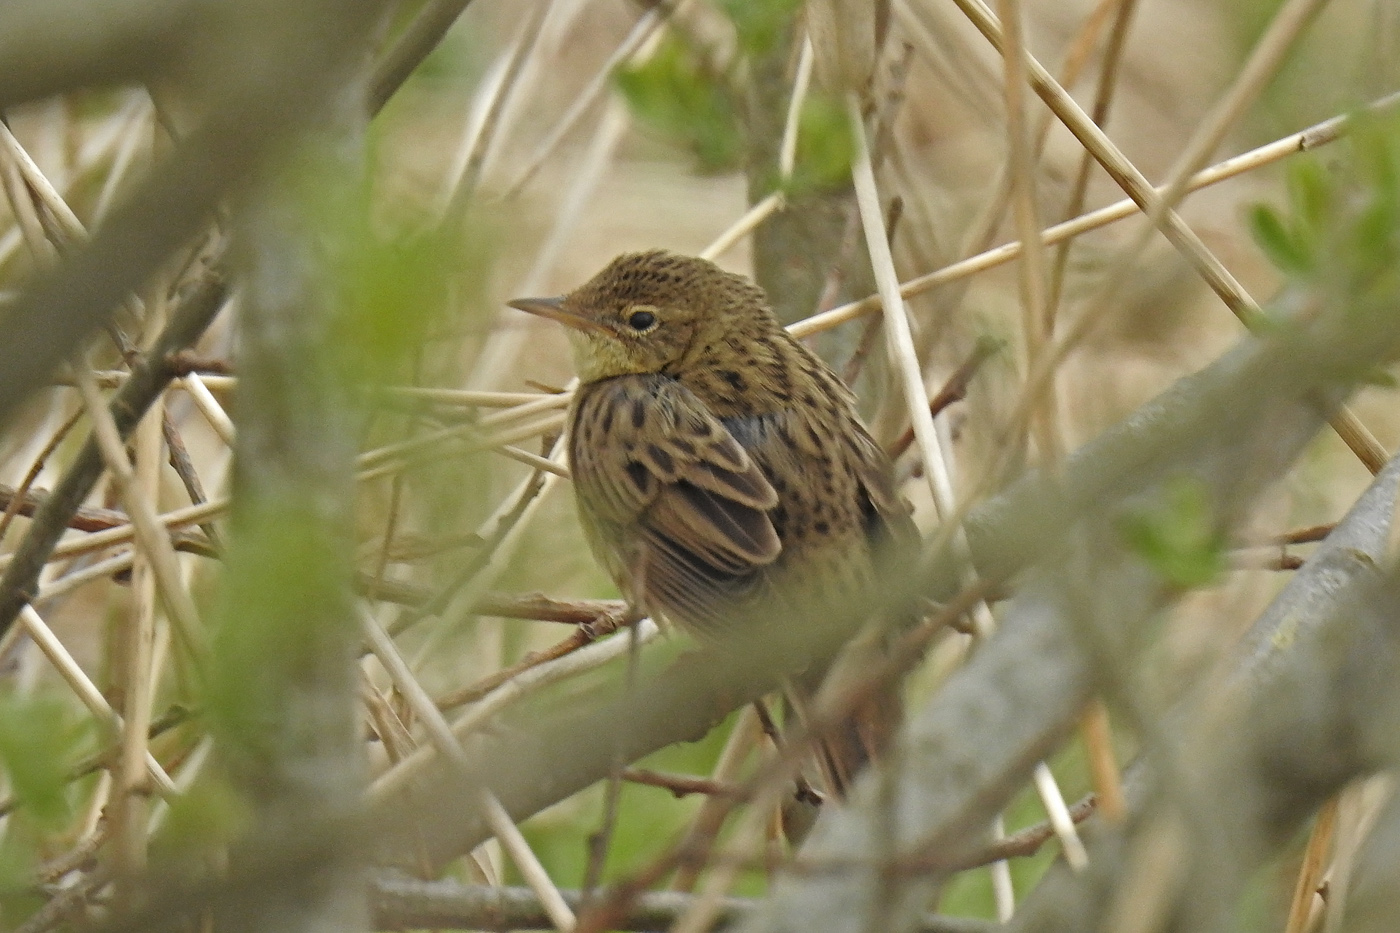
759	24
276	578
1178	536
41	738
826	146
202	820
1340	233
384	275
1313	81
391	273
675	95
684	97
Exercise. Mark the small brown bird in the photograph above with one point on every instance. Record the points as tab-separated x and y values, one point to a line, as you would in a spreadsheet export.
716	460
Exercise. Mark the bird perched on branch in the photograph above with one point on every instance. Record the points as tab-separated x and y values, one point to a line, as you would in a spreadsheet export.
716	461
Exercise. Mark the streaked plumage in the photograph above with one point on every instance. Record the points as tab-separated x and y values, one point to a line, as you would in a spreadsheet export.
715	459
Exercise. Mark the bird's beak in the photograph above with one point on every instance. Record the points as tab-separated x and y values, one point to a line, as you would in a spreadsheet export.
553	308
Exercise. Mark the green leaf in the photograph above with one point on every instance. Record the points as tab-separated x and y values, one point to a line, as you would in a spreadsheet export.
1178	537
209	815
759	24
1277	242
38	740
1310	192
677	98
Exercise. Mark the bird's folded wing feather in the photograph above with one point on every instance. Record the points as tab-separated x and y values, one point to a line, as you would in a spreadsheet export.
649	456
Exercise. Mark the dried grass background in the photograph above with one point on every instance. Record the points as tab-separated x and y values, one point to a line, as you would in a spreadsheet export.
442	507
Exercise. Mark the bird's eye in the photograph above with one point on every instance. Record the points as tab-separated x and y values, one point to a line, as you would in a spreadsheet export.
641	320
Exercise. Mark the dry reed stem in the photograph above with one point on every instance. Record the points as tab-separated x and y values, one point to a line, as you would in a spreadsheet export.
1358	808
637	47
101	540
1060	819
189	771
1033	273
984	227
456	398
902	352
447	745
936	467
1301	907
1097	733
137	671
69	227
52	589
787	147
20	500
745	225
900	341
1263	63
25	211
899	337
585	659
1103	101
90	156
131	137
1095	729
586	634
489	120
534	460
533	407
492	86
1319	134
1160	208
150	535
501	347
198	391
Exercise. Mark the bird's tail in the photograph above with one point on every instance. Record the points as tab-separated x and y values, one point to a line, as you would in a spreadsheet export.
863	735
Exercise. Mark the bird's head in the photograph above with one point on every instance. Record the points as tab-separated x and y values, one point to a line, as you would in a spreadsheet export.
653	312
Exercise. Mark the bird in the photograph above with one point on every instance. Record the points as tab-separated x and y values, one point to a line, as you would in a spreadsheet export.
717	463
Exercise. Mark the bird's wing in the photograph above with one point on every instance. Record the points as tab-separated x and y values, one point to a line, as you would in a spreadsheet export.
889	521
649	457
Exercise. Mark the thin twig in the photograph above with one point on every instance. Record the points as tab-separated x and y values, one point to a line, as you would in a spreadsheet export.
20	501
680	785
184	468
954	389
584	636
